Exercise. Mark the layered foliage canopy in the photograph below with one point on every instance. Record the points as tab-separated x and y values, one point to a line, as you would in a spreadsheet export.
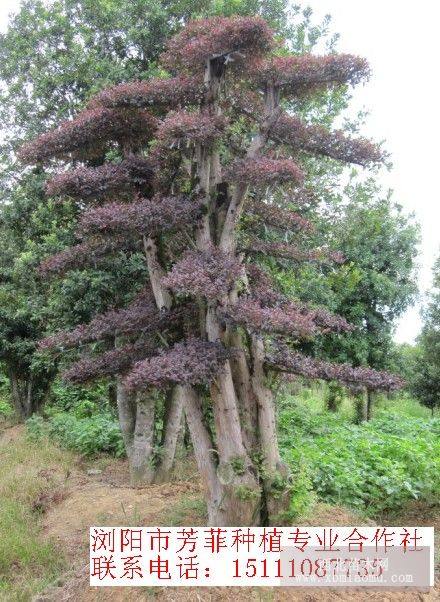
210	319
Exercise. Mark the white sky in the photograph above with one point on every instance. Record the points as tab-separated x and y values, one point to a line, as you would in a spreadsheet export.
400	39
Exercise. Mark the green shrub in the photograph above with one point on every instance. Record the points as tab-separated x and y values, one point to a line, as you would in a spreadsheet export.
302	494
88	435
6	410
80	419
68	398
375	467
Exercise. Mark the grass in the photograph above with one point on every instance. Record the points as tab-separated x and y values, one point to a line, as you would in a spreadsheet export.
29	471
376	467
187	511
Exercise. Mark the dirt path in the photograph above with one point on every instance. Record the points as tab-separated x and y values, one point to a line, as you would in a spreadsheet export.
105	498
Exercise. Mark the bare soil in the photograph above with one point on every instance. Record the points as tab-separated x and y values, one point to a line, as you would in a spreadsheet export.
106	498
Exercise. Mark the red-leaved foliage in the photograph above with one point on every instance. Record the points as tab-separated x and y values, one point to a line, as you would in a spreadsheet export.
210	274
262	286
292	318
141	315
263	290
288	251
284	358
192	362
203	39
156	93
318	140
145	216
257	318
300	74
88	253
182	126
128	176
273	215
108	363
153	204
90	133
263	171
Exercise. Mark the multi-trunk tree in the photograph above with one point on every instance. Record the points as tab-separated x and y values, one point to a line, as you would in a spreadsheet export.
202	151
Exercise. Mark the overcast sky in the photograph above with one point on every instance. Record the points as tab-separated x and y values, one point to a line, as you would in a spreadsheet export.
400	39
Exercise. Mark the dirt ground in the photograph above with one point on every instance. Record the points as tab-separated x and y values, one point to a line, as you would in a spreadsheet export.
104	497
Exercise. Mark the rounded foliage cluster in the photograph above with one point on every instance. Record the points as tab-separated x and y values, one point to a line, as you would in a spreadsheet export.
145	216
284	358
263	170
156	92
131	174
210	274
297	75
182	126
217	36
90	133
189	363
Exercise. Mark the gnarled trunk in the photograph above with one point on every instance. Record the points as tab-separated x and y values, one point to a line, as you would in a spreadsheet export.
247	402
172	426
205	455
141	459
235	471
136	420
274	472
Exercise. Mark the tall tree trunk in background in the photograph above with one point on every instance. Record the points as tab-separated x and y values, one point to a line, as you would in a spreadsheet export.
113	394
370	401
360	406
29	392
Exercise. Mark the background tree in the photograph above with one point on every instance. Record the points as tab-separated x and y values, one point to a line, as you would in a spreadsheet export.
426	381
375	284
54	56
183	186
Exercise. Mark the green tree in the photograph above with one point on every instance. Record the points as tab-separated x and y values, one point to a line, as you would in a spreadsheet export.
377	281
426	381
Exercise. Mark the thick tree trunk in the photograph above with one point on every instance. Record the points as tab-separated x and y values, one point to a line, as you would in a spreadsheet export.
274	472
171	429
126	403
242	500
141	459
247	402
136	420
205	457
156	273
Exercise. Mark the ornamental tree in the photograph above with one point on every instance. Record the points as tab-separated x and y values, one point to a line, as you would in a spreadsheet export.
201	152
